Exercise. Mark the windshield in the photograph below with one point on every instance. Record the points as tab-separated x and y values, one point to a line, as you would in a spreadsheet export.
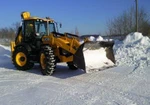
41	27
51	27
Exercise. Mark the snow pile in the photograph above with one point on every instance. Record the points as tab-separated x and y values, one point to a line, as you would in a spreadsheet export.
96	60
136	38
99	38
133	51
91	38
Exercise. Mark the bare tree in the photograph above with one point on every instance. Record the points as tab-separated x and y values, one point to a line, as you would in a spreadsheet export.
15	26
8	34
125	23
76	31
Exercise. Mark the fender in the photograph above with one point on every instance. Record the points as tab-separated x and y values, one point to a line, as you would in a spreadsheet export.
25	45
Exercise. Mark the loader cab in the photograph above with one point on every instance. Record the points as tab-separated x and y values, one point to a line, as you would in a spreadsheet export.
36	28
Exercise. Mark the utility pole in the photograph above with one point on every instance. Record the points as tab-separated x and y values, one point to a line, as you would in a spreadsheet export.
136	3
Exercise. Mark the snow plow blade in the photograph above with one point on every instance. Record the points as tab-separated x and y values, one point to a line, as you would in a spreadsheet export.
94	56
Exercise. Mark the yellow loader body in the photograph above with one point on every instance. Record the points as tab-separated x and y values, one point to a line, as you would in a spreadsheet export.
37	41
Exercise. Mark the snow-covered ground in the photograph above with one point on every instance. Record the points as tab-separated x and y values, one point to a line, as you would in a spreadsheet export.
126	84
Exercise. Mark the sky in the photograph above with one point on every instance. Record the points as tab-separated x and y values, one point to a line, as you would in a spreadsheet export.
88	16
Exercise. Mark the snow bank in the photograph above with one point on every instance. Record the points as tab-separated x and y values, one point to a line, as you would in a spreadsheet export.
3	48
136	38
5	59
92	38
4	51
133	51
99	38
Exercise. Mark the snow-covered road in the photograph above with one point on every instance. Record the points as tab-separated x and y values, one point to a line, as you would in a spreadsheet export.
116	86
121	85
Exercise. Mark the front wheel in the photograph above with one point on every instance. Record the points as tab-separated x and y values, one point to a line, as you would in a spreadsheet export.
47	60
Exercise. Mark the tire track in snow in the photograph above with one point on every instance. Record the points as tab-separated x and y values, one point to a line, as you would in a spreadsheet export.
132	99
89	89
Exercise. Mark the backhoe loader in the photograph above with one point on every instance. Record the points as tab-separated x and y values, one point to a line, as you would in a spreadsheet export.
38	41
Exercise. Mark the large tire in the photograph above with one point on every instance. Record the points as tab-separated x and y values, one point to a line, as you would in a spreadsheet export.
47	60
71	66
21	59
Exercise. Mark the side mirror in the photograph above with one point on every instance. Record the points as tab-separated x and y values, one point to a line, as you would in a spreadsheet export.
60	25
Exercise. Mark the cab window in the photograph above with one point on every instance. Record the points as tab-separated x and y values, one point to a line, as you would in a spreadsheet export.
41	27
29	29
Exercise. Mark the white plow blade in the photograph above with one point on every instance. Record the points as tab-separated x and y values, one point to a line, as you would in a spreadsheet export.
96	60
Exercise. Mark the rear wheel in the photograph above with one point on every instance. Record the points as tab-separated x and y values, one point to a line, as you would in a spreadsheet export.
72	66
21	59
47	60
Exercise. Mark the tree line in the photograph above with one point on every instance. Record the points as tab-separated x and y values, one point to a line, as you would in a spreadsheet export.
8	34
125	23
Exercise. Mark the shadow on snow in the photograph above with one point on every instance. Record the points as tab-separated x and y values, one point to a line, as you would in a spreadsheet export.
61	71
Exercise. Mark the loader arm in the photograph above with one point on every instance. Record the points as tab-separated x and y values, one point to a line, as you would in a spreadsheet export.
65	44
64	47
70	44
